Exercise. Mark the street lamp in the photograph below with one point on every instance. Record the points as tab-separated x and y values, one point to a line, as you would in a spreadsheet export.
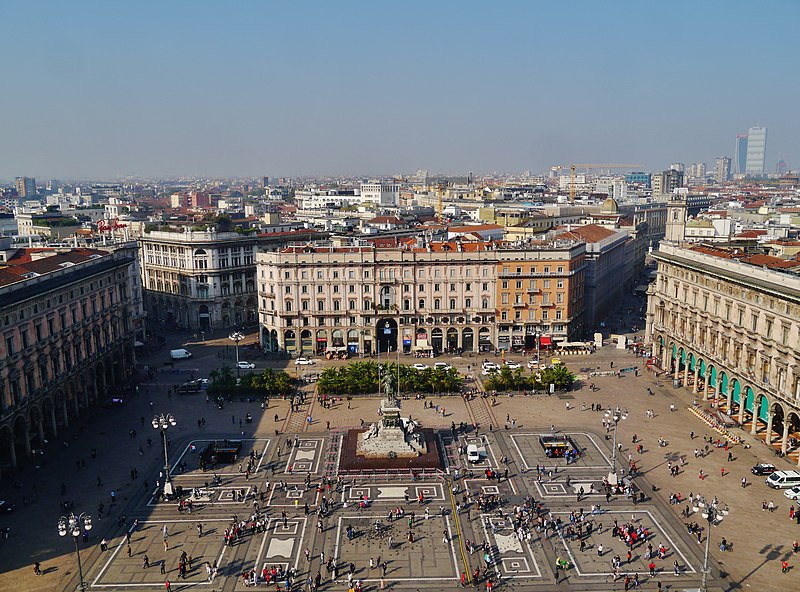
615	415
163	422
236	337
714	513
72	525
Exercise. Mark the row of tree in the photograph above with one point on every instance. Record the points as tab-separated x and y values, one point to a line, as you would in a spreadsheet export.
507	379
368	377
267	383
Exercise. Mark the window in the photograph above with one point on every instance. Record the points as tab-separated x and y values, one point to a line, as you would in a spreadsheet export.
545	314
320	305
336	305
23	332
319	289
768	329
754	322
784	334
485	286
559	284
518	284
452	304
288	306
304	305
437	304
421	303
336	289
304	289
505	284
485	303
558	315
504	298
518	315
351	304
436	287
467	287
546	284
504	316
336	275
287	290
452	287
560	269
468	302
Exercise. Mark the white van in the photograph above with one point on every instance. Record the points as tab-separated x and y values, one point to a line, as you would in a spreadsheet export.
783	479
473	453
180	354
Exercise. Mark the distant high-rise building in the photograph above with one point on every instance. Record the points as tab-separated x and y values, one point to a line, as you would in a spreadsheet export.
697	170
740	154
677	166
667	182
781	168
756	150
26	186
723	171
265	181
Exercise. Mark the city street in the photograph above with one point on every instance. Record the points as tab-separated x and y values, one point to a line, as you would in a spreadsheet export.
431	550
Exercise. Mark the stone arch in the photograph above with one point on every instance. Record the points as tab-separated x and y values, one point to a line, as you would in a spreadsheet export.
791	438
437	340
468	339
36	423
306	344
21	432
8	451
321	341
289	340
484	339
49	417
452	338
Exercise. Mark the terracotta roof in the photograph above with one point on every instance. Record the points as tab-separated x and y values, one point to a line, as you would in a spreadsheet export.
386	220
17	268
751	234
770	262
591	233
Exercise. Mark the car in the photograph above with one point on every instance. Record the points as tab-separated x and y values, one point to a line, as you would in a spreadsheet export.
793	493
419	366
202	381
512	365
245	365
441	366
473	453
763	469
533	364
303	362
487	370
489	366
6	507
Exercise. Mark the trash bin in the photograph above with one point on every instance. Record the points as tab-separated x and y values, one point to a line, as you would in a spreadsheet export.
676	383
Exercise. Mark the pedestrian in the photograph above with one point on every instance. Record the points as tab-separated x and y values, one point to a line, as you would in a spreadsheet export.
37	569
744	482
163	565
599	550
130	551
145	562
167	586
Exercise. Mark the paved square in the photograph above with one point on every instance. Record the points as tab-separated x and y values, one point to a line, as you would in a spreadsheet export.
119	570
531	453
428	557
395	494
305	457
588	563
512	557
190	459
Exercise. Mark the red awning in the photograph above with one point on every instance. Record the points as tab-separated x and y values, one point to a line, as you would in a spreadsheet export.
545	340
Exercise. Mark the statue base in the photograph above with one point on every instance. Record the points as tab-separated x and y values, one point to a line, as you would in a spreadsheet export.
376	454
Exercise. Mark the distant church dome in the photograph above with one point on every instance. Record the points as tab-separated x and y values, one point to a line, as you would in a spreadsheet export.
610	206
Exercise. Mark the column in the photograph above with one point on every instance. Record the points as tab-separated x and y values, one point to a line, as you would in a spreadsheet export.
64	411
754	426
769	427
741	407
665	356
53	420
677	365
785	436
40	427
696	376
27	437
13	452
686	372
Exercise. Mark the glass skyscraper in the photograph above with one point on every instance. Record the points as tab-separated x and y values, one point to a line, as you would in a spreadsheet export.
756	150
740	154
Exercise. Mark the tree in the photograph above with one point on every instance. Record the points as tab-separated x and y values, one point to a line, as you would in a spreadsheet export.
557	375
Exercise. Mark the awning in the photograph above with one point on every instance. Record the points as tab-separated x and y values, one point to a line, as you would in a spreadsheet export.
138	344
640	288
422	348
545	340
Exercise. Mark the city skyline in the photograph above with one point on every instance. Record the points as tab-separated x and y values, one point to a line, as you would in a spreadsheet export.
356	89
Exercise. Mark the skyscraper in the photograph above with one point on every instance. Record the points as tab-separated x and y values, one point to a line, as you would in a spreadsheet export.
723	170
740	154
26	186
756	150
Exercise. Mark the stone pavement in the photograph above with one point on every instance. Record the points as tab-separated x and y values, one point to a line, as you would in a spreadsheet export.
429	559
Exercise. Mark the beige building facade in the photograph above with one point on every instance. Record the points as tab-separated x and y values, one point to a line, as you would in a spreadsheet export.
374	300
727	327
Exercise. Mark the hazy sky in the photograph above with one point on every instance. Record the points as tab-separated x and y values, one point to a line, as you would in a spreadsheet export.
101	89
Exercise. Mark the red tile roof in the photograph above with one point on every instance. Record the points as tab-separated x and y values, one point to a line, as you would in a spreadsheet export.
591	233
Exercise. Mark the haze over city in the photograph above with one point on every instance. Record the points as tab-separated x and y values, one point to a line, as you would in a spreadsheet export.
150	89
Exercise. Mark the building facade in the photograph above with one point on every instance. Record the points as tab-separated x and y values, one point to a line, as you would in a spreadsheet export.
67	323
540	294
26	186
740	154
199	280
373	300
722	170
726	325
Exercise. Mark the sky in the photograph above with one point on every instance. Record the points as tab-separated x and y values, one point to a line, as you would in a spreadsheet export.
223	89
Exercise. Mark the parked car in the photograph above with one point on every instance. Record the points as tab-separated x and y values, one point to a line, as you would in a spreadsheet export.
763	469
533	364
180	354
245	365
419	366
488	368
303	362
6	507
441	366
512	365
793	493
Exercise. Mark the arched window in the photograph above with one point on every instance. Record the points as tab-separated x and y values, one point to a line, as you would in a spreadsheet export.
288	306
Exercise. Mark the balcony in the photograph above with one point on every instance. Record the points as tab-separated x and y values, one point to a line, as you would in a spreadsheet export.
519	305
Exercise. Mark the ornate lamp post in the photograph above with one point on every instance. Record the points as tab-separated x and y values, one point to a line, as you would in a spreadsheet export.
163	422
72	525
713	513
615	415
236	337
